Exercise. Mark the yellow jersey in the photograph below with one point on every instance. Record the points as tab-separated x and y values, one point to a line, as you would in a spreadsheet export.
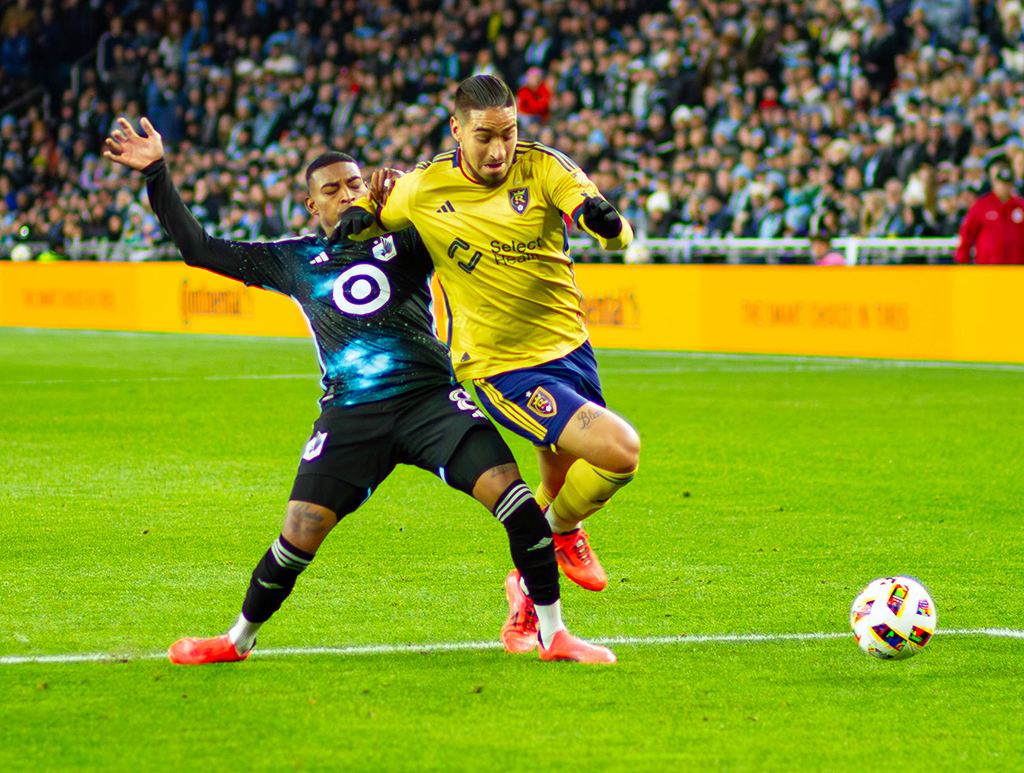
501	254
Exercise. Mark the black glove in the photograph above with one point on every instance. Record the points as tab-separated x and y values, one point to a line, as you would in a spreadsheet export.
353	220
601	217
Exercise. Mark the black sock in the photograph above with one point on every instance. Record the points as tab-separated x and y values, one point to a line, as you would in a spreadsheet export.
273	579
529	537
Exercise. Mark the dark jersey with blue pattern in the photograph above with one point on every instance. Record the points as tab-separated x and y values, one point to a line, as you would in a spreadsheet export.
368	303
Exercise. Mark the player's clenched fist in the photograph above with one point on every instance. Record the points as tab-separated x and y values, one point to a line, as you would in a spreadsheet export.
601	217
353	220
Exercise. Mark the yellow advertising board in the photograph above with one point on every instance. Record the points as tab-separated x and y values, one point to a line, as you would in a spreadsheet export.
967	313
69	295
156	297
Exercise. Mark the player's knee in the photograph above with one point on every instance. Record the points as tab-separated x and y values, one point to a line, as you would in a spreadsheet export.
622	450
306	525
492	483
630	449
482	448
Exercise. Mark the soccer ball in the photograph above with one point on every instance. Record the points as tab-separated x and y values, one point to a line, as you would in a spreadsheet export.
893	618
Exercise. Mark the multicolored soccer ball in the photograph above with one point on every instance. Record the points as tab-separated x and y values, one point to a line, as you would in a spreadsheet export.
893	618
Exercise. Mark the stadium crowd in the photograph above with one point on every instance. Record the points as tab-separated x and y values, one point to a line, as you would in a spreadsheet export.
755	118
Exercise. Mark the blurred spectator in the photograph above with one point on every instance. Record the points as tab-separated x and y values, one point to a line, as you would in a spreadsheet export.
533	98
770	221
21	14
266	126
873	214
993	231
16	53
702	118
822	253
892	218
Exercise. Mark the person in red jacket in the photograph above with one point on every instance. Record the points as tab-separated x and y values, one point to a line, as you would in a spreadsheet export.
994	226
534	97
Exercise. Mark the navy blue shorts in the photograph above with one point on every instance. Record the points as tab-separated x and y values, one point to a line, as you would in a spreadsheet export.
538	402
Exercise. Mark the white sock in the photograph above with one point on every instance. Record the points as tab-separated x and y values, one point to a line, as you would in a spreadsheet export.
243	634
549	621
557	524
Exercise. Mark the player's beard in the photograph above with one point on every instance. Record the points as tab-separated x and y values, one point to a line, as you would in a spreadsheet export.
493	179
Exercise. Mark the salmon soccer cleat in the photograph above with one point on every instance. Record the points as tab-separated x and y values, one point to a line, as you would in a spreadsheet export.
195	652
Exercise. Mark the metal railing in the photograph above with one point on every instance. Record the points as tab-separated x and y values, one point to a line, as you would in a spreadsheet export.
857	251
731	251
102	250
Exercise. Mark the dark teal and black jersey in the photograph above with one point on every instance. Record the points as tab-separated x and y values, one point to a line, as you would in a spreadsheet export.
368	303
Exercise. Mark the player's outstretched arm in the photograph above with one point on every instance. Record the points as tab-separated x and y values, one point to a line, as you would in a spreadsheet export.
145	153
136	151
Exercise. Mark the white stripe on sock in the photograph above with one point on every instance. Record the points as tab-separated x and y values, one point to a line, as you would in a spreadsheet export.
512	501
288	559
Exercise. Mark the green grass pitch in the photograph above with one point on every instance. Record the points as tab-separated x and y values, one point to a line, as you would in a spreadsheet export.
141	478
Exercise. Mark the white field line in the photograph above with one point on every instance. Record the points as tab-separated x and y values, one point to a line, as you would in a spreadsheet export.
747	356
477	646
259	377
779	364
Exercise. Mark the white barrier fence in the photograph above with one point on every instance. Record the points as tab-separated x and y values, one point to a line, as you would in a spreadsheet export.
733	251
102	250
857	251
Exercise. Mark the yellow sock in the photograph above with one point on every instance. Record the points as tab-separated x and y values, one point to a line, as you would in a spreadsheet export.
586	490
543	496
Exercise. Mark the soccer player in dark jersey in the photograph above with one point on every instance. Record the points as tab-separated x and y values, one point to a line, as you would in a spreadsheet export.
388	393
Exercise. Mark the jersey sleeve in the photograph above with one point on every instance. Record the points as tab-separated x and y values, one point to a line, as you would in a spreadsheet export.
254	263
568	187
413	251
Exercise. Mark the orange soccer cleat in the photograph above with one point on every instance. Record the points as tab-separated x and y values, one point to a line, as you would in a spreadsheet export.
578	561
519	633
565	646
195	652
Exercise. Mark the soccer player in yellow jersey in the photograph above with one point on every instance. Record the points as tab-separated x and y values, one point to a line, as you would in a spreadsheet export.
493	215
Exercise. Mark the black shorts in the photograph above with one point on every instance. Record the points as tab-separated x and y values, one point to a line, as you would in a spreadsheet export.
361	444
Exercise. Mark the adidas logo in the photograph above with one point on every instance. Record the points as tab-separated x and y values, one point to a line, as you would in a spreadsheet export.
447	207
465	357
323	257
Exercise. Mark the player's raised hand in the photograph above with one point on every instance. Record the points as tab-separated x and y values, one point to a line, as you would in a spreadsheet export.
381	183
128	147
353	220
601	217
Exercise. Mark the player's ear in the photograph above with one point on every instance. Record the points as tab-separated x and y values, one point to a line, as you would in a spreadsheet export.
453	122
310	205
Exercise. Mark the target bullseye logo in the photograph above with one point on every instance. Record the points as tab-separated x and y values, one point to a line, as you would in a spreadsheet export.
361	289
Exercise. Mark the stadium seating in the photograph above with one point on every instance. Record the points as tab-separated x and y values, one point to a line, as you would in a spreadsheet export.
698	120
